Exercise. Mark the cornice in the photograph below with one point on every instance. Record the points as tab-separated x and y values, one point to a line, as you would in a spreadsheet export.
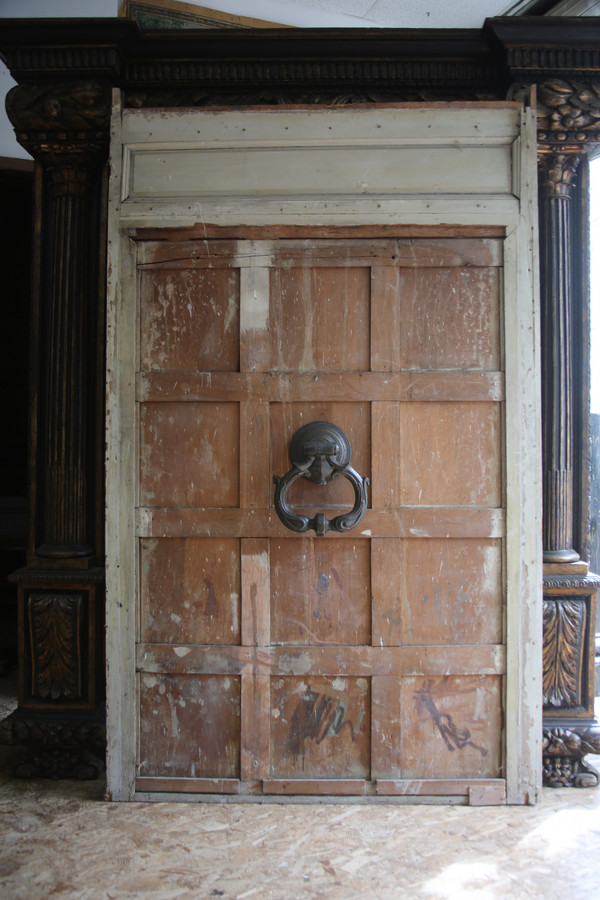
65	49
228	65
203	67
536	48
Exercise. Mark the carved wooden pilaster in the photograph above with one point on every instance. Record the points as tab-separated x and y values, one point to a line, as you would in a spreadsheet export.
556	175
568	128
65	128
59	724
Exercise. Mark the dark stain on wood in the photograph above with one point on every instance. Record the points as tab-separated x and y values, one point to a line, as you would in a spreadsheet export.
454	737
212	604
316	717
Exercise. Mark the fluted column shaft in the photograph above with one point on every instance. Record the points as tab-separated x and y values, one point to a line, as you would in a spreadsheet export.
557	172
65	128
64	371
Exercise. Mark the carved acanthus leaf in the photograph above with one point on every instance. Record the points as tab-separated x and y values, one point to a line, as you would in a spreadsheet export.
564	629
557	173
55	645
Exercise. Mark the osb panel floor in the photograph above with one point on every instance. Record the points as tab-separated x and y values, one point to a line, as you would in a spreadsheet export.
61	839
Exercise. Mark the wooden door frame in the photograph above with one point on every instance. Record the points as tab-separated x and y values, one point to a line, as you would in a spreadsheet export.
513	208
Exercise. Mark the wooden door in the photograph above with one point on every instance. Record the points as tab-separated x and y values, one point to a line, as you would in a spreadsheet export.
369	662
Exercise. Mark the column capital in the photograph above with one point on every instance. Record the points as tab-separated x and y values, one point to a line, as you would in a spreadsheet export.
557	173
62	125
568	116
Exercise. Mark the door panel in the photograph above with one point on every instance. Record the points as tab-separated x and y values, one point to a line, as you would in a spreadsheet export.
190	320
203	575
448	454
190	726
320	728
453	727
272	662
179	466
320	319
320	592
455	328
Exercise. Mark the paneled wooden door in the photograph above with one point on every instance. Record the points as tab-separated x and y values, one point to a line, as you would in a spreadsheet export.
271	662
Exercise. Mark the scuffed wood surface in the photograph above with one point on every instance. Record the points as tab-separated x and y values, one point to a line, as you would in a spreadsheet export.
279	664
320	728
364	251
190	591
178	465
454	727
393	661
190	320
276	387
320	318
189	726
406	521
432	591
456	327
188	785
320	592
301	787
312	231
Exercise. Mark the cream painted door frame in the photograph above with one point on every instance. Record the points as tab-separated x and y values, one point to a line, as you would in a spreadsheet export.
400	167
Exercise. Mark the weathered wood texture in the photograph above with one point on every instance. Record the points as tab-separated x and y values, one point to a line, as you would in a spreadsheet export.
283	662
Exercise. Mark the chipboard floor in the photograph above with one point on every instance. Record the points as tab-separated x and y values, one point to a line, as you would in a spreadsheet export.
61	839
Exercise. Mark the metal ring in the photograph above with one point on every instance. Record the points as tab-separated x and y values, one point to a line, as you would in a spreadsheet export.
320	452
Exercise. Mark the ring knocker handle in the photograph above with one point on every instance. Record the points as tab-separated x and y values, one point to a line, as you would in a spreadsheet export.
320	452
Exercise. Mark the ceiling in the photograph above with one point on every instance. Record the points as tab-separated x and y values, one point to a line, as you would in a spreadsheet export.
330	13
367	13
396	13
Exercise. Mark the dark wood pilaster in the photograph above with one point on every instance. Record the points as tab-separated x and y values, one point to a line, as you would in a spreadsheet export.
567	131
59	721
65	128
556	174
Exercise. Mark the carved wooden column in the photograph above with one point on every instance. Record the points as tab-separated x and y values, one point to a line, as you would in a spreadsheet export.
60	722
556	175
568	125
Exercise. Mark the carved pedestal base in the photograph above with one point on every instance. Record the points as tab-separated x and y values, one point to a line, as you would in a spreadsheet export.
59	728
54	745
564	748
571	731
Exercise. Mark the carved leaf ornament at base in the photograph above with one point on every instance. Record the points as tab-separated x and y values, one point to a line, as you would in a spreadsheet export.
563	757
